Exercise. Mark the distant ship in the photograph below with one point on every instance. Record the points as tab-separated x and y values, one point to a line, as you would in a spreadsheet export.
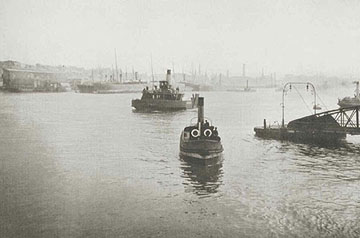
246	89
348	101
201	140
164	98
198	87
112	87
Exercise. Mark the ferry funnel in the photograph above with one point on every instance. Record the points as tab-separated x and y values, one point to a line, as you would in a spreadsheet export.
168	75
201	109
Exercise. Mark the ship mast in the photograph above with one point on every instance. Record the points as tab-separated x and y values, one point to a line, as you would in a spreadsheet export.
173	72
113	76
152	71
184	77
126	77
116	66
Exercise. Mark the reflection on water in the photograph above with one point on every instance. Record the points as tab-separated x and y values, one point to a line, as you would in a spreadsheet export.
342	148
340	162
203	177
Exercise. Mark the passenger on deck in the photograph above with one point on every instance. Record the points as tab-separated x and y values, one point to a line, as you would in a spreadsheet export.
206	124
215	132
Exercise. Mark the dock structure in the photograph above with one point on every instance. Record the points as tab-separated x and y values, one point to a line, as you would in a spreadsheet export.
20	80
347	118
328	126
324	127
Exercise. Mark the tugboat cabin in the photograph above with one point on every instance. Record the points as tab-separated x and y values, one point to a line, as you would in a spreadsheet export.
205	132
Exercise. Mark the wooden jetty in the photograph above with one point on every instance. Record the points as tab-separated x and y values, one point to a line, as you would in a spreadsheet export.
324	127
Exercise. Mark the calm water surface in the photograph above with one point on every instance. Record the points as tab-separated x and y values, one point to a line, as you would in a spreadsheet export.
78	165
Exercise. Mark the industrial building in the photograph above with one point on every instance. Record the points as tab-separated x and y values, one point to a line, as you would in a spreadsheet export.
19	80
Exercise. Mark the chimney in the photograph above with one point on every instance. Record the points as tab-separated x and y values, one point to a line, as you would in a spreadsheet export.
201	109
168	75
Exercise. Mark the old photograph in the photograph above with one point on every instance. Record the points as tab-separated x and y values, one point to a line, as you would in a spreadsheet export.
179	118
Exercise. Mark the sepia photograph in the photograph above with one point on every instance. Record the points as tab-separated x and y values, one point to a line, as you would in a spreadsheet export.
179	118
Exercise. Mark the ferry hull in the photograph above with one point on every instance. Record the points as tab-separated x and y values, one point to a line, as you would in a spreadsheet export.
160	105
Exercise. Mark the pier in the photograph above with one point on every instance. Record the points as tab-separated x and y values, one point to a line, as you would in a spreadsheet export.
329	126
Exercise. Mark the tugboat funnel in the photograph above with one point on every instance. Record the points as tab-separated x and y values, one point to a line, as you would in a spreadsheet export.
168	75
201	109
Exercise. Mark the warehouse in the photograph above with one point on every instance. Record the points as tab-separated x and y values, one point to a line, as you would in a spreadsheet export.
18	80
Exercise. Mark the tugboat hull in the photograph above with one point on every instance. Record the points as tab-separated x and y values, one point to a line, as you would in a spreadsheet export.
196	155
200	149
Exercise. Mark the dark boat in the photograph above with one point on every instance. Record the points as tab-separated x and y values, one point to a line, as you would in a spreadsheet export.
310	129
200	140
350	102
164	98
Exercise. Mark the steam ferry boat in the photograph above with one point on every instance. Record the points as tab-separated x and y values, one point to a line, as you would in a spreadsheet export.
164	98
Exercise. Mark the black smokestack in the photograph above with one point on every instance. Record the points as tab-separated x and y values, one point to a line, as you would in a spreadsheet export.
201	109
168	75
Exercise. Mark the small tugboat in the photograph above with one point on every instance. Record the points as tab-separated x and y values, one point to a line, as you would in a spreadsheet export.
164	98
350	102
201	140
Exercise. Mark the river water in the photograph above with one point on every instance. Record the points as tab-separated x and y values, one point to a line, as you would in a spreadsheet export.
83	165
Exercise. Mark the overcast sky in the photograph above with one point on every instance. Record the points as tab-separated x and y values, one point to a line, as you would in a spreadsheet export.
280	36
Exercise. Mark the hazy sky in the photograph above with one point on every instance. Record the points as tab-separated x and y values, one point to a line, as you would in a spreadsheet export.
280	36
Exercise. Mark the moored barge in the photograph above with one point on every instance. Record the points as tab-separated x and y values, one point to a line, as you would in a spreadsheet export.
317	128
